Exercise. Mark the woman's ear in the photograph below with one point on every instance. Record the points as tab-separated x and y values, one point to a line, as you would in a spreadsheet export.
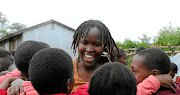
155	72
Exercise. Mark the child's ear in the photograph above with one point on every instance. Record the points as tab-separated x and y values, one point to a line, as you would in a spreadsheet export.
68	83
155	72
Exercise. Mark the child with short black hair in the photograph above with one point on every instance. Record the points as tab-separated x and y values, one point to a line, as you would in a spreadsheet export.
139	49
51	72
4	64
6	54
121	58
112	79
150	62
23	55
173	70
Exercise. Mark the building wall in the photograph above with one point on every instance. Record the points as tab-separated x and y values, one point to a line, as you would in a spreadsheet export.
54	35
2	44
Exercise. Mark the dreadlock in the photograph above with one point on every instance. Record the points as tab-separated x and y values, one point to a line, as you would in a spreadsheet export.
82	31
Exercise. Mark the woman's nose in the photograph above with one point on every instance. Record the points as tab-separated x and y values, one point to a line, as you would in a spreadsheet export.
89	49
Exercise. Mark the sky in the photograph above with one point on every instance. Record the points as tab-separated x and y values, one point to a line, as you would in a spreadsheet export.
124	18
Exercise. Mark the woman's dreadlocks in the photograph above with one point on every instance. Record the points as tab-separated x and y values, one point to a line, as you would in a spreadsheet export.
82	31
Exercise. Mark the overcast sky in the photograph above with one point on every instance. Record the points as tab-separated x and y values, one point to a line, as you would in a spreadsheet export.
124	18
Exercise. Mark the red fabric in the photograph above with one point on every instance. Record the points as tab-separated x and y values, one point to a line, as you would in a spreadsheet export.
14	73
167	91
148	86
3	92
82	90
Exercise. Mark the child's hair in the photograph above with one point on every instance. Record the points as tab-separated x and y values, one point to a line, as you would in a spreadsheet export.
174	67
112	79
82	31
25	52
4	64
6	54
117	54
49	71
155	58
139	49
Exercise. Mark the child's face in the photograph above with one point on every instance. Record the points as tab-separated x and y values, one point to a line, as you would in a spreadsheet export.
122	60
90	48
171	73
140	71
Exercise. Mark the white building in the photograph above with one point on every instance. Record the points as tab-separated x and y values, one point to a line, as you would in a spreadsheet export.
56	34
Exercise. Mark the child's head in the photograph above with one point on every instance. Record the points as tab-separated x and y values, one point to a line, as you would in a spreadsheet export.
6	54
112	79
121	58
150	62
91	38
51	71
25	52
139	49
4	64
173	70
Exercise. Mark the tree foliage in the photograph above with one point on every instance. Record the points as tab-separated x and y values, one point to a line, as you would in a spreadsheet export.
168	35
6	29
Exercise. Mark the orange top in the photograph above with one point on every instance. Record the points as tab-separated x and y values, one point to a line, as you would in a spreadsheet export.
78	81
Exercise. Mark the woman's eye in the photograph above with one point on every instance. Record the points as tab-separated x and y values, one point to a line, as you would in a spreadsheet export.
97	44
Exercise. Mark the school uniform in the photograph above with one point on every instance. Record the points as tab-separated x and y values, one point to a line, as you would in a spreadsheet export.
3	92
14	73
167	91
148	86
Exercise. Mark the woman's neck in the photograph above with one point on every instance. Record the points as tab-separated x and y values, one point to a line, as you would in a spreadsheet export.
88	68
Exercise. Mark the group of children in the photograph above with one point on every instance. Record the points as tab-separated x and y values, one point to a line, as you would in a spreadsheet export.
39	69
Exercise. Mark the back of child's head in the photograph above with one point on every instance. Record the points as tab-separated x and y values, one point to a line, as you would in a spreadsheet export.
82	31
155	58
139	49
4	64
49	71
25	52
6	54
112	79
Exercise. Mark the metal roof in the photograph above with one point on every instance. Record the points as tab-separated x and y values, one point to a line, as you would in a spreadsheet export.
33	27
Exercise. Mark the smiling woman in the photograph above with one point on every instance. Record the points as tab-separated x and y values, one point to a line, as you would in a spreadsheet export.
91	38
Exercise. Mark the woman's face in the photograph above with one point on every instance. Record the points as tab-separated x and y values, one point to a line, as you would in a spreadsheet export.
90	48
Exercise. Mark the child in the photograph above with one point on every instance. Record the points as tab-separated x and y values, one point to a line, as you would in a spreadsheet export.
22	57
173	70
112	79
150	62
4	64
139	49
91	38
121	58
51	72
6	54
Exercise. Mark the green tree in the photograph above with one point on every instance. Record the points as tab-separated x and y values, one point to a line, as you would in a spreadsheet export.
16	27
168	35
6	29
3	25
145	39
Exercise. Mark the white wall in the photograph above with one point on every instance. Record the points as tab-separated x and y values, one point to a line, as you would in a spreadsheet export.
54	35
